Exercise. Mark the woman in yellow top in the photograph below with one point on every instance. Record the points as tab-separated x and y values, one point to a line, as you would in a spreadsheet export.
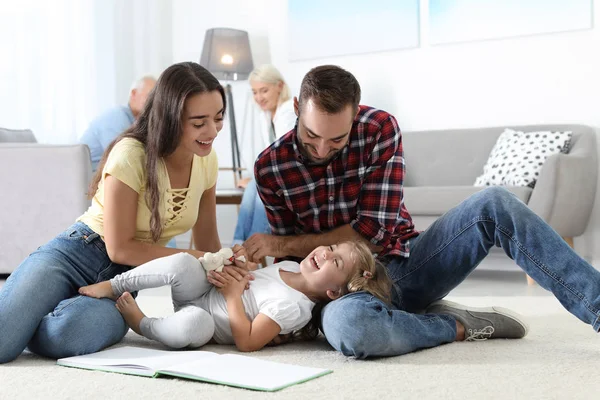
155	181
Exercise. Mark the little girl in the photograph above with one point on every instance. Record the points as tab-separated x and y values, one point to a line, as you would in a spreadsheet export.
279	300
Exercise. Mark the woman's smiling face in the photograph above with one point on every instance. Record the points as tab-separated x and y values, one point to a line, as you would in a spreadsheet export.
202	121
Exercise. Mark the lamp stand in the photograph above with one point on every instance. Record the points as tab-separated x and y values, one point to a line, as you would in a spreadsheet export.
235	149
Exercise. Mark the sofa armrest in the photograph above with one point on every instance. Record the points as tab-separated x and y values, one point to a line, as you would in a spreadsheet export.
565	192
43	193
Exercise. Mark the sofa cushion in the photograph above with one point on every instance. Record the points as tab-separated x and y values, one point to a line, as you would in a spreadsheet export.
16	136
436	200
517	157
43	192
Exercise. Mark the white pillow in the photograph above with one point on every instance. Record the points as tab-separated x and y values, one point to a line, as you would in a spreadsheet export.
517	157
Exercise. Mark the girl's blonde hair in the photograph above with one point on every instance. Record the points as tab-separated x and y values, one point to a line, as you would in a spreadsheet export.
267	73
369	275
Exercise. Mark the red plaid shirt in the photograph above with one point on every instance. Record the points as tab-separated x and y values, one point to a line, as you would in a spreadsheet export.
361	186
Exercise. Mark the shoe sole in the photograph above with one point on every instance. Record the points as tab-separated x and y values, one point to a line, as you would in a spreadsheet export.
500	310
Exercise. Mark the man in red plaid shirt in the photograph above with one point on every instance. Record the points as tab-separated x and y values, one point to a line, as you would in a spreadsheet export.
338	176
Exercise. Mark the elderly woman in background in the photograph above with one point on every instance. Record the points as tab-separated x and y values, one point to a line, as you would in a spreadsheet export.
272	95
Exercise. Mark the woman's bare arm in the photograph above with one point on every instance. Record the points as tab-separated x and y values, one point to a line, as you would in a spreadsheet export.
205	233
120	215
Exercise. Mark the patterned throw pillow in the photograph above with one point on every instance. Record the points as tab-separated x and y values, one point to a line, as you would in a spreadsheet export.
517	157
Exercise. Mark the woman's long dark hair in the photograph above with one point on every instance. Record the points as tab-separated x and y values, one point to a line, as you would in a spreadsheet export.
159	127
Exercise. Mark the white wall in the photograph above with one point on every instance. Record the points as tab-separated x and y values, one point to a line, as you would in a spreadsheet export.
552	78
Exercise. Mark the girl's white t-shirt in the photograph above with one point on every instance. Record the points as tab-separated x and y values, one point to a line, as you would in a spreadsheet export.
269	295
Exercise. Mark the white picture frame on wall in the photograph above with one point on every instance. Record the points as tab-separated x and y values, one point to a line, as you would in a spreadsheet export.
452	21
320	29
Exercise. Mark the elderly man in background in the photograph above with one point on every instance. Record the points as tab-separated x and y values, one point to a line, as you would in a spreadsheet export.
106	127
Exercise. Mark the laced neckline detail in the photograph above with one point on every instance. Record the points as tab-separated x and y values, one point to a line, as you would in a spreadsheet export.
177	204
177	198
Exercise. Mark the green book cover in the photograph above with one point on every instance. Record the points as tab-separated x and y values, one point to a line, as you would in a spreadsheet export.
224	369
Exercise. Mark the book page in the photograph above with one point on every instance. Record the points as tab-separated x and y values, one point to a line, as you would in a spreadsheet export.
247	372
134	358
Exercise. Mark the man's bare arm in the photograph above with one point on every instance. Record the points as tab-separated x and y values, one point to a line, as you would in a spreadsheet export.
302	245
262	245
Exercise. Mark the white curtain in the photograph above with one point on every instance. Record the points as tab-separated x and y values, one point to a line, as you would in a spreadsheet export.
63	62
143	40
50	67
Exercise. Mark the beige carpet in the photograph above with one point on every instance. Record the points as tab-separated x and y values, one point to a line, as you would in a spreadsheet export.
560	359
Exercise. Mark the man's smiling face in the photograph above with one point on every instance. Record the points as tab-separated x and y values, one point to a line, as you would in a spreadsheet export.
321	135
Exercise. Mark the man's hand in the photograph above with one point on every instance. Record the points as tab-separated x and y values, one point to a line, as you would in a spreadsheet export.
241	251
261	245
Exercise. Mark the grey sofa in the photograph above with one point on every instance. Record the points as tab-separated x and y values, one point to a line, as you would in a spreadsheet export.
443	165
43	192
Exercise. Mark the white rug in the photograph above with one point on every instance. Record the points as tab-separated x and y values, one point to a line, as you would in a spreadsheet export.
558	360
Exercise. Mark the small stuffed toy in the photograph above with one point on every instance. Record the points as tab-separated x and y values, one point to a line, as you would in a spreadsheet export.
216	261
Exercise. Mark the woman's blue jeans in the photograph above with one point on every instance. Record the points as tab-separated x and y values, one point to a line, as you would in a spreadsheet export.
252	217
39	305
443	256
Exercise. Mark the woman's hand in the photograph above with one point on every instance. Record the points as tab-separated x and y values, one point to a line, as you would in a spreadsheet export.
243	183
229	285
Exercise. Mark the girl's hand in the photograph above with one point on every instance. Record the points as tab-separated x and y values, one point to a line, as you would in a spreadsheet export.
280	339
228	285
235	272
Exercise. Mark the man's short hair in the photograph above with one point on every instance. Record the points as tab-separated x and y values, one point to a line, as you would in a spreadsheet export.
331	88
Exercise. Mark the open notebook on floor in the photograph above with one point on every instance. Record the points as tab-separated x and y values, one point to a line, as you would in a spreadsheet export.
225	369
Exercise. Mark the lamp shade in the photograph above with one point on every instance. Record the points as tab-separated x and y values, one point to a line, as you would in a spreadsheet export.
226	53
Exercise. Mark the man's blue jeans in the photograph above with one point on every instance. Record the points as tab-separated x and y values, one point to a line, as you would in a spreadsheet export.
360	325
39	305
252	217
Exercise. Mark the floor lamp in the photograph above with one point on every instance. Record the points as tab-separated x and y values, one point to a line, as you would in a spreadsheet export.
235	146
226	54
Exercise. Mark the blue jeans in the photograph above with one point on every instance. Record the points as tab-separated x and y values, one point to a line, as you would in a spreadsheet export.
39	305
360	325
252	217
